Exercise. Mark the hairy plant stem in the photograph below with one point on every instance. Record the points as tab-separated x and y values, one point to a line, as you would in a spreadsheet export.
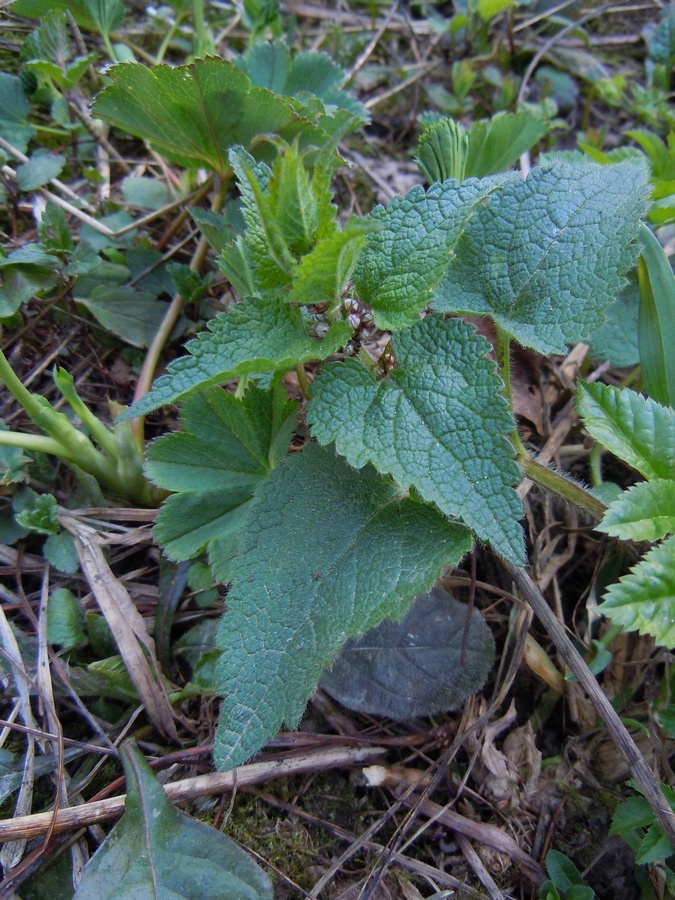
169	321
562	487
642	773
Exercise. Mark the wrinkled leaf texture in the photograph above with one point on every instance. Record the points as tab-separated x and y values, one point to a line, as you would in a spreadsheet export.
404	261
545	256
255	337
327	553
437	422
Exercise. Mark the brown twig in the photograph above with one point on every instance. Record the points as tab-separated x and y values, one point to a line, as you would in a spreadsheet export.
643	775
26	827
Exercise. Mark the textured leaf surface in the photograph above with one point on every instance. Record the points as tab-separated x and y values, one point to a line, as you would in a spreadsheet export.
438	422
414	667
644	600
637	430
155	851
253	338
545	256
193	114
227	448
328	553
404	261
645	512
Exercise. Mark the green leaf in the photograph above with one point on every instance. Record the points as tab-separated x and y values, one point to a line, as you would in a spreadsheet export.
48	52
437	422
666	719
197	641
645	512
644	600
255	337
55	231
269	65
65	620
103	16
497	144
156	851
59	550
427	663
228	447
617	339
37	512
654	846
562	871
147	193
131	314
288	215
49	41
442	151
404	261
548	891
323	273
661	155
193	114
637	813
13	462
39	170
488	9
545	256
636	429
25	272
14	109
104	678
661	39
327	554
215	227
656	334
266	244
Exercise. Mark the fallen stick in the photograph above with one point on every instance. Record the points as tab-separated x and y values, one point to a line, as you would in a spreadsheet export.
645	778
86	814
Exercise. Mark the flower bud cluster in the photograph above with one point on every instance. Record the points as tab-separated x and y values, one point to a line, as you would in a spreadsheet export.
361	320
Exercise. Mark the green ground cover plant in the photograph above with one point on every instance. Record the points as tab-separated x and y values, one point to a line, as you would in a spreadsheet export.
347	434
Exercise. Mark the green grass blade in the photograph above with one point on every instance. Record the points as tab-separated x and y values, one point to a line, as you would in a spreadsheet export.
656	320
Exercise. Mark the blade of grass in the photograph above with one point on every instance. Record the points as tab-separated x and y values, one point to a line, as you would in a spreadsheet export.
656	324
